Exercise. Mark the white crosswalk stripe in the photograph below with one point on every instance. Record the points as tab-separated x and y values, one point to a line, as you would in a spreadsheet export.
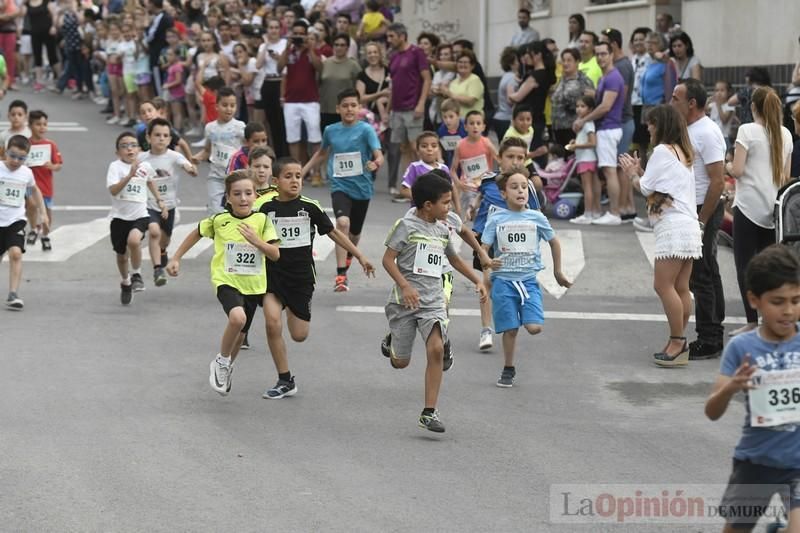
572	262
74	127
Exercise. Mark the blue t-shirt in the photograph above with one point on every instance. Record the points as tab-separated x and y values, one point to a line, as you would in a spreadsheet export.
779	446
444	134
651	86
514	237
612	81
342	140
490	196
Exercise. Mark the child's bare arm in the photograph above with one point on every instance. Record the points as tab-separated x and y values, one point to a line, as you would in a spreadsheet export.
342	240
726	387
555	249
409	294
175	262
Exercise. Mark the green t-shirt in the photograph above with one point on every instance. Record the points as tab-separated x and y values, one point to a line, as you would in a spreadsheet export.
591	69
236	262
3	70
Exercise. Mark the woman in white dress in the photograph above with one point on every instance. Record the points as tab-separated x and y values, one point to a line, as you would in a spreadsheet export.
668	184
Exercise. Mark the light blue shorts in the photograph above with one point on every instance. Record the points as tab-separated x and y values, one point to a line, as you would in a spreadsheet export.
516	303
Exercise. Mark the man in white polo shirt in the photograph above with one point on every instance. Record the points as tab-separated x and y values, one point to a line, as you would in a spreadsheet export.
689	98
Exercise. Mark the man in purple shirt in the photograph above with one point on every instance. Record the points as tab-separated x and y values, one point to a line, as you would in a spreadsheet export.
411	82
610	98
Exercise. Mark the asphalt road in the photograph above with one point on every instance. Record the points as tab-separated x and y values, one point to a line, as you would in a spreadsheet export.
109	423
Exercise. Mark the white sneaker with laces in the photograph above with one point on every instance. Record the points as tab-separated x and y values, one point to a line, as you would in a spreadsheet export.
219	373
113	120
642	224
584	219
199	144
609	219
486	342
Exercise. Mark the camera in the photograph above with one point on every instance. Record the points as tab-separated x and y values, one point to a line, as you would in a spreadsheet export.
298	40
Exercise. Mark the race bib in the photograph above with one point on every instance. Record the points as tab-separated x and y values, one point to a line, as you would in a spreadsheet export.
294	232
519	237
221	154
429	259
347	164
475	167
776	399
12	193
166	189
450	142
243	259
38	155
134	191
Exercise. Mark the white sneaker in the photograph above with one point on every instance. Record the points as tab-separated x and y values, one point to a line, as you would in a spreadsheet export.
609	219
219	374
393	191
584	219
642	224
486	343
193	132
199	144
113	120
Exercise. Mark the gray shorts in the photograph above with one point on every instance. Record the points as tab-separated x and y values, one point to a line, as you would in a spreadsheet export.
404	126
404	323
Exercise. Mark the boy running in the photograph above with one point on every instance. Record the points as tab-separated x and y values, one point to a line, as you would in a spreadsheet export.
128	182
157	108
18	123
255	135
764	364
223	137
474	157
355	155
15	180
427	144
291	279
513	234
415	251
44	158
242	237
165	163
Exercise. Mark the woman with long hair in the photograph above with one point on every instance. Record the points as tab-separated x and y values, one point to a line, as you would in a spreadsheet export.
373	82
681	50
577	25
761	165
668	184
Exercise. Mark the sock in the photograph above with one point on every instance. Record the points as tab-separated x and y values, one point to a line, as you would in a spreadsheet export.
126	280
285	376
341	271
225	359
428	411
136	270
510	368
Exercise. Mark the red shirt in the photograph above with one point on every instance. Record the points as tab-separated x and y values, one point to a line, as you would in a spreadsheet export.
43	175
301	79
210	105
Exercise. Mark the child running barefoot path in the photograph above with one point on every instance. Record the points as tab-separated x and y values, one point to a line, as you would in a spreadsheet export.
764	364
514	234
242	238
415	250
291	279
15	180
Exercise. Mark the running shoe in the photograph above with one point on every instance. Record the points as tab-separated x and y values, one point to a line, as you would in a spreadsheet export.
219	373
393	191
46	244
32	236
486	342
431	422
113	120
131	123
192	132
700	350
126	294
341	284
609	219
230	378
159	277
584	219
398	199
386	345
627	217
447	362
14	302
281	389
506	378
137	283
245	343
199	144
642	224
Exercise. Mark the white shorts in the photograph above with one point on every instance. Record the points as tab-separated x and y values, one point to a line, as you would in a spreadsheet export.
607	141
296	114
25	45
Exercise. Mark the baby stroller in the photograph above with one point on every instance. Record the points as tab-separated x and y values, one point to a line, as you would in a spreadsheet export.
565	204
787	215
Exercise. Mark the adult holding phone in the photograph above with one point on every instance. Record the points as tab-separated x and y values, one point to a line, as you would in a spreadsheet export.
268	80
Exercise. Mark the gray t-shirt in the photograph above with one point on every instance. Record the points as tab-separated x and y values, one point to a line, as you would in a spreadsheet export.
504	105
422	247
625	68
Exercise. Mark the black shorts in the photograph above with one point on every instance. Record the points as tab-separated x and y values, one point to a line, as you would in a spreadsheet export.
294	295
166	224
13	235
120	229
355	210
640	134
476	261
750	489
230	298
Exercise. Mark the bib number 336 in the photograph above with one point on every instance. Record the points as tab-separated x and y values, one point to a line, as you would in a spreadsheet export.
776	399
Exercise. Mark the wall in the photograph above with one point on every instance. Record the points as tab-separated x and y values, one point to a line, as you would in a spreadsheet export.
450	19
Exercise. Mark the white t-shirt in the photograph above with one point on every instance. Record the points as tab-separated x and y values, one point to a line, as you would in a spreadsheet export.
13	187
709	147
7	134
226	139
131	202
583	155
227	49
253	89
755	190
127	49
270	66
714	115
168	168
666	174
